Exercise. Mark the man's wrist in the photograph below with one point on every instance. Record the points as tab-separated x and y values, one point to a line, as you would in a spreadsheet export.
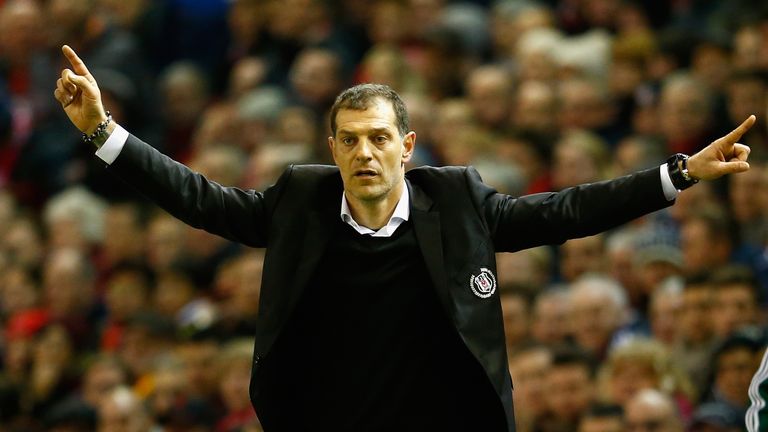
98	136
677	166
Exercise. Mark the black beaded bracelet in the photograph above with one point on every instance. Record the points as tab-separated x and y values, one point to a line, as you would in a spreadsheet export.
100	131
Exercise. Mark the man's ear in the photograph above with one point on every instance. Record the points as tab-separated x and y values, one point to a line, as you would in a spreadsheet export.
331	145
409	143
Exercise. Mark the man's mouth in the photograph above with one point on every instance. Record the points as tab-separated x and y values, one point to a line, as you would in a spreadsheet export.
366	173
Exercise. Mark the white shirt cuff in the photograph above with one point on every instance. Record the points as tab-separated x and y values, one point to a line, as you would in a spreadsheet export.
113	146
670	192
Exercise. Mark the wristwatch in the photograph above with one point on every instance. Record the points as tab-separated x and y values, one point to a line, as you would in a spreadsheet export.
677	165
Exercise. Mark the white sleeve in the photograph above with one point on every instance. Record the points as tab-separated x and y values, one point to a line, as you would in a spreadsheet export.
113	146
670	192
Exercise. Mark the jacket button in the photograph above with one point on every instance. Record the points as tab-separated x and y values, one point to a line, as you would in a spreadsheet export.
256	359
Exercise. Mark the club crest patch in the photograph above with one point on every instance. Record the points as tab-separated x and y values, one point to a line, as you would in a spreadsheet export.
483	284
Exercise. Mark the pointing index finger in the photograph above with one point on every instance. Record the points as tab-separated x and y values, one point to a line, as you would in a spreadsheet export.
77	64
736	134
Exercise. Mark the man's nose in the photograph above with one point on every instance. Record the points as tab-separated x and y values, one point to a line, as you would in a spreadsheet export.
363	151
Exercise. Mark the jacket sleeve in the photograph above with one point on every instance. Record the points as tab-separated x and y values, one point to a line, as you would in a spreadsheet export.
580	211
236	214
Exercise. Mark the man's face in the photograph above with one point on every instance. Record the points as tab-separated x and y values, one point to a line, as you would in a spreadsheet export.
568	391
529	371
736	308
735	369
696	325
370	152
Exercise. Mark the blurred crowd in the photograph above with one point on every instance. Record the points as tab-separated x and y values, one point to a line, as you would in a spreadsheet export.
117	317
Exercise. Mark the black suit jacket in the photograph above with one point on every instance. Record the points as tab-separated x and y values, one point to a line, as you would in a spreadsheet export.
460	223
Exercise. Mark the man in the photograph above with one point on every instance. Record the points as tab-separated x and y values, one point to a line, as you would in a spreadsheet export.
569	389
602	418
399	329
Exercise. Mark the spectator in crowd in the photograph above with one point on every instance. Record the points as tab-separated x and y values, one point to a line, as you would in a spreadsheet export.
696	341
598	313
515	307
529	366
582	256
602	418
736	297
550	320
652	410
641	364
733	364
569	389
665	310
123	410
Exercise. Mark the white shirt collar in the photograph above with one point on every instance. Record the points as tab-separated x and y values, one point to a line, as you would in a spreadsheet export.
401	214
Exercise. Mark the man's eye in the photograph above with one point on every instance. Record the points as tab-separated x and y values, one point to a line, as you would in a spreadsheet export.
348	141
381	139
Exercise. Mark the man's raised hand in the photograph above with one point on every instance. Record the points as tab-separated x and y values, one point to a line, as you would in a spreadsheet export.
79	95
724	156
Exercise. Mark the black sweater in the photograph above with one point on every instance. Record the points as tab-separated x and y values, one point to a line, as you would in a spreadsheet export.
373	348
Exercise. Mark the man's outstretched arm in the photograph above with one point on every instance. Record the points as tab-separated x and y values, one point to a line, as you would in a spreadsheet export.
553	218
233	213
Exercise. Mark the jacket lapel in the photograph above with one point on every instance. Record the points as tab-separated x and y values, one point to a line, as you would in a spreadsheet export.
426	225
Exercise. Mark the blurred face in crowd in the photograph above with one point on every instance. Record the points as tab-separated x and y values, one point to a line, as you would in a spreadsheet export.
386	22
21	22
628	377
371	153
70	17
488	91
745	97
68	288
551	313
99	381
199	360
170	388
684	111
573	163
748	204
315	77
665	314
649	411
515	311
233	386
185	94
711	63
126	294
601	424
122	411
165	242
702	249
529	371
17	291
734	371
535	107
583	105
594	317
695	317
568	391
582	255
736	308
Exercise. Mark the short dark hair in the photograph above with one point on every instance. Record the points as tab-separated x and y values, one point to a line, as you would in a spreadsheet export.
362	96
736	275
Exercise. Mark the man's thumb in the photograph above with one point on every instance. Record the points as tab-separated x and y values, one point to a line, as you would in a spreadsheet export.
733	167
82	84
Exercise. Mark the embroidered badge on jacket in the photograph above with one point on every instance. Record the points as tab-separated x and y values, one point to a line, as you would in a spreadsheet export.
484	284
